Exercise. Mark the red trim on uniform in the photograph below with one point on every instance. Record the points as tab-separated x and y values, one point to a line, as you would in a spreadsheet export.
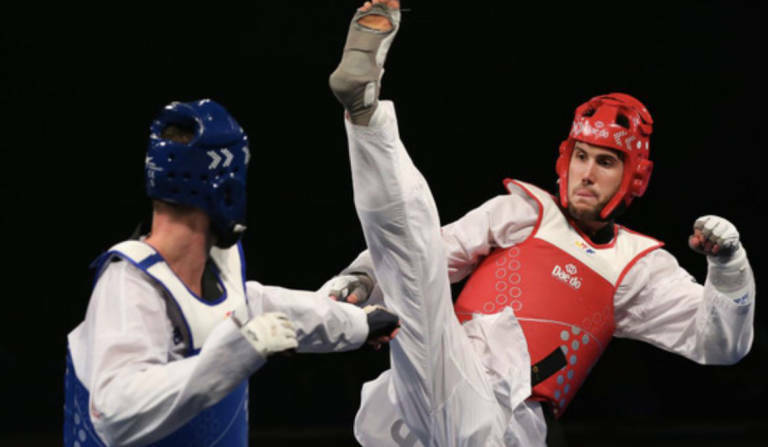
533	196
567	218
634	261
639	234
640	255
588	239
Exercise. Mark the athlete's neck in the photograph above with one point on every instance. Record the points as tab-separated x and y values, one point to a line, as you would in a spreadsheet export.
590	227
183	239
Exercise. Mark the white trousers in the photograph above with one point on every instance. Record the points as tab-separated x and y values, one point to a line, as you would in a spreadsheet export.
437	392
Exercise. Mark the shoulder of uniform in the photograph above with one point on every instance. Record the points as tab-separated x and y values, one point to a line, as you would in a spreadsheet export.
118	274
628	233
518	187
133	251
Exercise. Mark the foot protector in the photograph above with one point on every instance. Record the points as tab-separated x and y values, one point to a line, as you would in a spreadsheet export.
357	79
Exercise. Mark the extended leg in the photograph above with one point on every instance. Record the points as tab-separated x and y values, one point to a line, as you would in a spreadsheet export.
441	388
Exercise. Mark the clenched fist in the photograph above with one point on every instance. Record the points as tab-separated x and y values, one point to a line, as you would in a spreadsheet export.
714	236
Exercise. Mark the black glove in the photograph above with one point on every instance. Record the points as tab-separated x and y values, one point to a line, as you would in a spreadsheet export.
381	322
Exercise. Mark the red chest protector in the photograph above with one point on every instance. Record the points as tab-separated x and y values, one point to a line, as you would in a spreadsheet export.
561	287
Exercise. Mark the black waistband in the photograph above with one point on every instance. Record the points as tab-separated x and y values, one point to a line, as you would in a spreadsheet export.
548	366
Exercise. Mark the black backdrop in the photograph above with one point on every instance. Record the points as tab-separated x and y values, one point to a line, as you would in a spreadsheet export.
482	94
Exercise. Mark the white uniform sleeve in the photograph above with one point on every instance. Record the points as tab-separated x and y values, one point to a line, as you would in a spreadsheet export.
322	325
140	390
660	303
500	222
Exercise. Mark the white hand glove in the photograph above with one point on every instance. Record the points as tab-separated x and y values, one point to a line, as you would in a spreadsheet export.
270	333
352	288
714	236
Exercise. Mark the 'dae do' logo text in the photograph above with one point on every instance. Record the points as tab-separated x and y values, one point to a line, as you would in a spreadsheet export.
567	275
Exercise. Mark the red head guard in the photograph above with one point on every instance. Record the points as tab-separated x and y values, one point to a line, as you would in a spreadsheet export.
615	121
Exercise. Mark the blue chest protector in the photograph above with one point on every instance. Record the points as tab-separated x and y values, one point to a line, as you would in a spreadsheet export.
223	424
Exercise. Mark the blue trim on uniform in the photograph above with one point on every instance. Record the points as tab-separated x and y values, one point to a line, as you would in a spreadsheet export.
160	283
149	261
99	261
194	295
98	266
242	273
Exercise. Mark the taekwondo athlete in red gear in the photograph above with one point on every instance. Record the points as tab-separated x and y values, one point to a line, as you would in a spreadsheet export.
446	386
578	278
573	278
173	330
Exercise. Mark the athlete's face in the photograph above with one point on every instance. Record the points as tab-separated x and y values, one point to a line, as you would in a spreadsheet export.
594	176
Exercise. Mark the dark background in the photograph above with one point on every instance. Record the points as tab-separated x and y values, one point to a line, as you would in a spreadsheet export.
482	93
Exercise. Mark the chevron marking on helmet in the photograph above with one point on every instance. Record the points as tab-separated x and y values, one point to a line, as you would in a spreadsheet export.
229	156
629	141
216	159
617	136
577	127
151	166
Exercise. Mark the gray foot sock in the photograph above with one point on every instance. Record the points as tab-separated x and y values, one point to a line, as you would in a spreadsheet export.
357	79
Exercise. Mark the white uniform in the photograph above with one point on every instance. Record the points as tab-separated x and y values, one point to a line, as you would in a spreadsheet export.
468	387
132	354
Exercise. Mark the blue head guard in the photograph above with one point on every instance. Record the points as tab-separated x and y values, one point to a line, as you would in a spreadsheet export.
209	172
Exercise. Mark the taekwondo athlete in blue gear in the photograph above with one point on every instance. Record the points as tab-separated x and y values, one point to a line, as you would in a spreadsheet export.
173	331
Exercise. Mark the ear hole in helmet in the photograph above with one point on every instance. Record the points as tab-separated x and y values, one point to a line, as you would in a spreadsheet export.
622	120
179	132
590	112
